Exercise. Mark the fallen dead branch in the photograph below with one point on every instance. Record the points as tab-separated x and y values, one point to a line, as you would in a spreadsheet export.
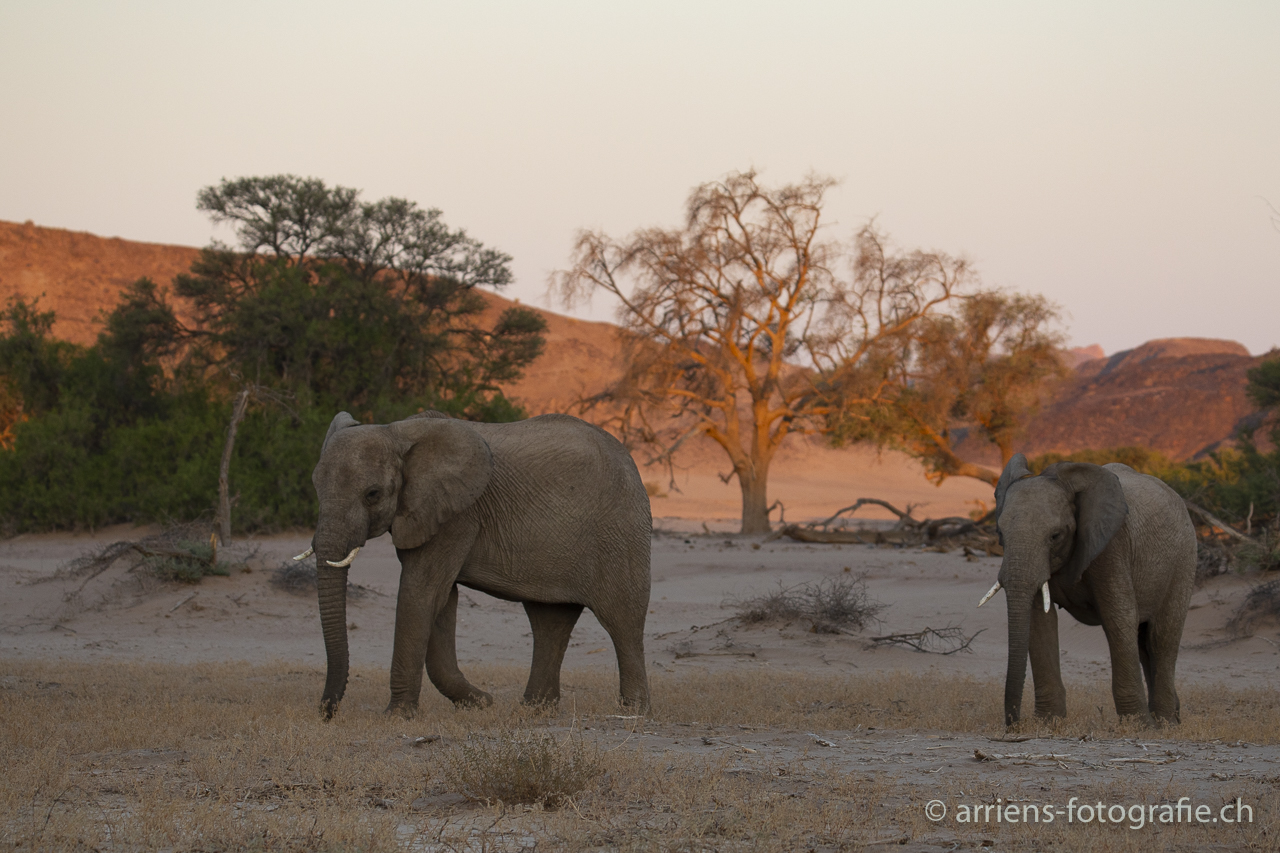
941	533
1213	520
943	641
185	553
1020	756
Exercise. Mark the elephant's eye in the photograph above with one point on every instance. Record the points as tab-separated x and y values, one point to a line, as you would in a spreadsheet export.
371	496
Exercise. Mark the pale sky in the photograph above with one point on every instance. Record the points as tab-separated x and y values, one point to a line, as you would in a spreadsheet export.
1116	157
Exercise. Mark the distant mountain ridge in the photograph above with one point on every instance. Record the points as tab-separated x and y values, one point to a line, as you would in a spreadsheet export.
1181	396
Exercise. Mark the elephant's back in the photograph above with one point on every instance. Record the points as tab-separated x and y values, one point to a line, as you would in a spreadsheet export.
565	503
564	454
1161	536
1153	498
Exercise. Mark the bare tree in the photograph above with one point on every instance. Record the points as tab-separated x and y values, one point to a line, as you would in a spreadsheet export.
987	366
239	408
749	324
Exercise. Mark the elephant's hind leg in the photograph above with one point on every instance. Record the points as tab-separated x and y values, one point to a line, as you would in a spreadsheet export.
442	659
1145	654
627	632
1163	643
552	625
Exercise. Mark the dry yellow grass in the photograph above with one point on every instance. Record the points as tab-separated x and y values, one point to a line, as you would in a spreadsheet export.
124	756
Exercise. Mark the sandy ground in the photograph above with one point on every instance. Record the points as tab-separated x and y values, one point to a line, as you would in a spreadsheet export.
696	579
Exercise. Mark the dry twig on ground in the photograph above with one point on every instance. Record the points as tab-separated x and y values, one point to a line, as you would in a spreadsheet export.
942	641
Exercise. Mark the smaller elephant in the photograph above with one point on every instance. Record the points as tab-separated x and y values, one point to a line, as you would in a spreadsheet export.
1113	548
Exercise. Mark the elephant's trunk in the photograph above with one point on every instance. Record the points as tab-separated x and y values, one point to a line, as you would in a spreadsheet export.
332	584
1016	675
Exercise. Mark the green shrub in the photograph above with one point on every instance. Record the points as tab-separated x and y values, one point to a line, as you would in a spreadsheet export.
186	568
1141	459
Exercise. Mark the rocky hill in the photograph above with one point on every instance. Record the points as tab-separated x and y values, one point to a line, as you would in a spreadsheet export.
78	275
1181	396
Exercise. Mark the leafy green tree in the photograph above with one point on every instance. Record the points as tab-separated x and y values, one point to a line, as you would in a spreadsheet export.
108	437
1264	384
32	363
371	306
987	367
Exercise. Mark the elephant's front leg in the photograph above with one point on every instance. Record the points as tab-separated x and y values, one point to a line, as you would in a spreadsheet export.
1046	667
427	575
1128	685
442	658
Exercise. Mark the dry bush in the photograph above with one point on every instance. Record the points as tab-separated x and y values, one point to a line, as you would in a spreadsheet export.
1217	553
301	579
522	766
190	567
832	605
1261	603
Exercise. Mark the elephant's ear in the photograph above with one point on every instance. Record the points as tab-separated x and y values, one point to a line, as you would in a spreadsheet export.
447	466
340	421
1013	472
1100	512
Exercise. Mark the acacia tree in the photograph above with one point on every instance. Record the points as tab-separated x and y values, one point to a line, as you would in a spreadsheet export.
986	367
749	324
354	304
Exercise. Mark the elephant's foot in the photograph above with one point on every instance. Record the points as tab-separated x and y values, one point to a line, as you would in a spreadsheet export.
474	699
540	700
1142	718
403	709
1055	711
636	704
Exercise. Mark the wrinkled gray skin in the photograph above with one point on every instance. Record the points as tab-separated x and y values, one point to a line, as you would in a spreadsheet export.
1118	550
549	512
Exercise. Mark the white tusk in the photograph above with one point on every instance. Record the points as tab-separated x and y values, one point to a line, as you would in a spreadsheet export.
1044	593
342	564
990	593
305	554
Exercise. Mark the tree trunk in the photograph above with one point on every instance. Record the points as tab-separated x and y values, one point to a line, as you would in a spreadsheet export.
224	471
755	512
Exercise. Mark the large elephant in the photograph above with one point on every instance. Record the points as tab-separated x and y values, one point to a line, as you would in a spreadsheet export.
1113	548
549	512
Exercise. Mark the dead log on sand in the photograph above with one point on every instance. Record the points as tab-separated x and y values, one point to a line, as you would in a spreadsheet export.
942	533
